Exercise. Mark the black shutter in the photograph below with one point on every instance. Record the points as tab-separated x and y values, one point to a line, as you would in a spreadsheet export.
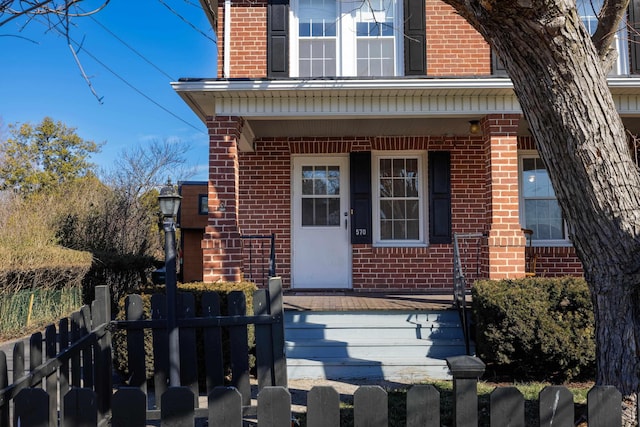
439	197
497	67
278	38
415	38
360	180
634	36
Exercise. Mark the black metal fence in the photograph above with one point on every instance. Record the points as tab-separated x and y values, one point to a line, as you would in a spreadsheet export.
259	258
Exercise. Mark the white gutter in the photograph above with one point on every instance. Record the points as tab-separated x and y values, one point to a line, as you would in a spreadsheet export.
446	84
213	85
226	66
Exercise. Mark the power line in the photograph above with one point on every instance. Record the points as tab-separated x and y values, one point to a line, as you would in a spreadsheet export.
147	97
186	21
131	48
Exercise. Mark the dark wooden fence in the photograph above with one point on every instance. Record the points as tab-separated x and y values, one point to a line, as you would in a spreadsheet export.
76	356
208	369
69	381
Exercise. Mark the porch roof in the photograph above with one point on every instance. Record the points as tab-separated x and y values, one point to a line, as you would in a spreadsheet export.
319	107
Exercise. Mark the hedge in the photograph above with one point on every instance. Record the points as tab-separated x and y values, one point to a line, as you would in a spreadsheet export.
535	328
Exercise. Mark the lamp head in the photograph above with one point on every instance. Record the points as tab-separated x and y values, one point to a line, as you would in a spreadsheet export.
169	200
474	127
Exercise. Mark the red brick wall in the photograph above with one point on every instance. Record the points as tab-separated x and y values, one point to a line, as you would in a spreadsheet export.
265	208
221	245
248	39
454	48
557	262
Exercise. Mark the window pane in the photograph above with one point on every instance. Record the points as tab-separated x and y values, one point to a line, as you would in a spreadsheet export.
413	230
321	211
413	209
386	230
317	31
375	55
333	215
399	230
307	212
399	199
386	188
544	218
386	209
535	179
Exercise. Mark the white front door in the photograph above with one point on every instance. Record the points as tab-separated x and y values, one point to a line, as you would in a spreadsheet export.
321	252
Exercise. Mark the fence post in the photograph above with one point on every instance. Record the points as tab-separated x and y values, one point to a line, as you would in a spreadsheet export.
274	407
101	314
277	331
51	381
423	406
370	407
135	344
225	407
237	306
323	407
604	406
465	370
177	407
4	383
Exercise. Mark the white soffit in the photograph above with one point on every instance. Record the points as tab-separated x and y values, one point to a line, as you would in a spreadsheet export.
349	98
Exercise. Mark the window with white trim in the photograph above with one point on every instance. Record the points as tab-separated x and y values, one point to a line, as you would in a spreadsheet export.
399	187
588	10
346	38
539	208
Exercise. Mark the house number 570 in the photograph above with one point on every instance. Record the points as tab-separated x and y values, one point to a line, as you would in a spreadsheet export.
361	231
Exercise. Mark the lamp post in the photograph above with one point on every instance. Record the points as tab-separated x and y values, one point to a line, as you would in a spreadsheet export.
169	200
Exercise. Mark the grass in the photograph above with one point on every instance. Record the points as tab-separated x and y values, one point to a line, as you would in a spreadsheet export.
397	403
47	306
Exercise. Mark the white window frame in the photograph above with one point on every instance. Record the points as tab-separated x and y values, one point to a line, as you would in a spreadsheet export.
423	189
346	65
533	154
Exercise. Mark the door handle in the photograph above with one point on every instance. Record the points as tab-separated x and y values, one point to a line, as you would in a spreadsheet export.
346	216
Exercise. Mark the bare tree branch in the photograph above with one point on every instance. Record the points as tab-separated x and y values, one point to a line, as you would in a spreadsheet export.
13	9
609	17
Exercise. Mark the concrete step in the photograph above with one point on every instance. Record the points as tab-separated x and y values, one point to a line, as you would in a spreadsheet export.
376	350
407	346
405	370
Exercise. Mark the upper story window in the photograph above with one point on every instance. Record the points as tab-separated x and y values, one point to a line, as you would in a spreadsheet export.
346	38
539	208
588	10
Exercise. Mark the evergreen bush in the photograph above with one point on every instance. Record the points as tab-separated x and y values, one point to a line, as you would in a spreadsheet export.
535	328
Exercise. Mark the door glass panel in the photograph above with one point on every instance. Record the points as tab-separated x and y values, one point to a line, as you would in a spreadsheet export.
320	196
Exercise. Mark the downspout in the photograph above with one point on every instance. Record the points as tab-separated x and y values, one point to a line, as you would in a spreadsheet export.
226	66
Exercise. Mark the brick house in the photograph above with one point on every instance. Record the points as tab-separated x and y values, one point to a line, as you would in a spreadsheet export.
364	135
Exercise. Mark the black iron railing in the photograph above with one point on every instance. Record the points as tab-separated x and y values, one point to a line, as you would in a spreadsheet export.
259	257
460	279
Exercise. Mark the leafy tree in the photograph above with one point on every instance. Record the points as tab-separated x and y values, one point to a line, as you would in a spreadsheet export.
559	75
41	157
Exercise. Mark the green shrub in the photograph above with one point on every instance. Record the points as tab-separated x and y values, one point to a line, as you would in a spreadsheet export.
197	289
535	328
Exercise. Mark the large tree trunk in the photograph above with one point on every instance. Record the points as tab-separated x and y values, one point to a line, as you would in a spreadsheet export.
562	89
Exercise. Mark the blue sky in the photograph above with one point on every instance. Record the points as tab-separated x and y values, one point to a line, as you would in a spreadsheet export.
39	76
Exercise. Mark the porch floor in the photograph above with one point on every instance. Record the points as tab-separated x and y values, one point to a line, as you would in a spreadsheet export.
347	300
